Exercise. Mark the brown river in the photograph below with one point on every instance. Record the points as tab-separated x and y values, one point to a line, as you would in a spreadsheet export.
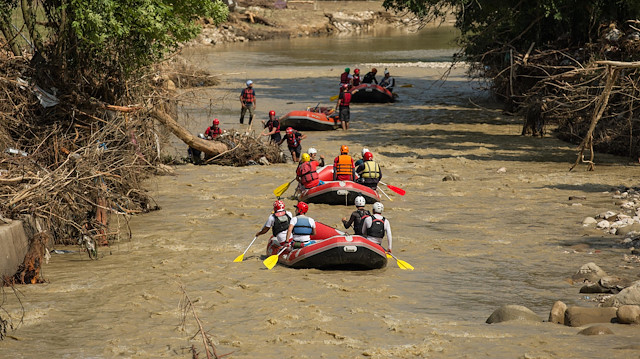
489	239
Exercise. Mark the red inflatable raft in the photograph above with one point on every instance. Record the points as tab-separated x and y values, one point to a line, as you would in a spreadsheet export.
333	250
337	192
310	121
370	93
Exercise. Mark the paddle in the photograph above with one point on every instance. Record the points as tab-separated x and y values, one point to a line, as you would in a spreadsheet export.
402	264
395	189
240	257
386	195
273	259
333	98
282	188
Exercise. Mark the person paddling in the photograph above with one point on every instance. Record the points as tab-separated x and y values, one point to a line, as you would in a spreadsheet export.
357	216
376	226
301	227
278	222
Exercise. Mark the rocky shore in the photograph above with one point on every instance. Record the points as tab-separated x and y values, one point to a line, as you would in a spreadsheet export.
264	20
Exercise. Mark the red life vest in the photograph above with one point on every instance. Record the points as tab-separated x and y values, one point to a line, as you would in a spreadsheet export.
308	175
344	166
248	96
346	99
293	140
344	78
213	132
270	125
356	80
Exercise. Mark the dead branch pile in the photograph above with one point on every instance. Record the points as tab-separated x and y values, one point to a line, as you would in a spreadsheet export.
565	87
245	150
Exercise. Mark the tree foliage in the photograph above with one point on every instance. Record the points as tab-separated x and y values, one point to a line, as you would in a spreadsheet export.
495	25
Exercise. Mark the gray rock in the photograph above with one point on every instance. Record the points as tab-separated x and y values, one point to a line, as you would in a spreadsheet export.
594	288
589	221
623	231
629	314
513	312
451	178
557	312
590	272
627	296
596	330
579	316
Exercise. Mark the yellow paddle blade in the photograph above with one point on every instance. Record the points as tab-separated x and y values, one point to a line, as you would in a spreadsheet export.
404	265
333	98
281	189
271	261
239	258
389	256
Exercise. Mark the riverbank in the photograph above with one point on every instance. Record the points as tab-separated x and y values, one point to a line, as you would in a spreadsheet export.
302	19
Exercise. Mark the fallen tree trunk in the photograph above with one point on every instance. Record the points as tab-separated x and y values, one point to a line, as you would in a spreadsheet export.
210	148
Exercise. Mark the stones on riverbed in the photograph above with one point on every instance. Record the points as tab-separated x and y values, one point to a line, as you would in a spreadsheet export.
513	312
607	284
581	316
556	315
590	272
596	330
451	177
629	314
627	296
502	170
589	221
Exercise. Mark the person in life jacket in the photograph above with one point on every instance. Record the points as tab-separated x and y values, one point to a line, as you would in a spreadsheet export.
357	216
370	77
278	222
273	126
248	102
301	227
376	226
214	130
294	139
387	81
355	80
344	100
345	77
369	172
361	161
314	153
306	172
343	167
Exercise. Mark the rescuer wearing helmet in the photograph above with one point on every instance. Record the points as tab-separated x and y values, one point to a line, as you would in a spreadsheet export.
357	216
376	226
355	80
278	222
248	102
361	161
313	153
301	227
293	139
306	172
343	167
370	77
214	130
344	99
273	124
369	173
387	81
345	77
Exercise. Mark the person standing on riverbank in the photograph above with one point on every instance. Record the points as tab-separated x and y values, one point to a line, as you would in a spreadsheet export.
344	99
248	102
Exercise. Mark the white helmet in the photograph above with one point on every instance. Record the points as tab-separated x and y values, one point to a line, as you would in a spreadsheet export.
312	151
365	150
360	201
249	83
378	207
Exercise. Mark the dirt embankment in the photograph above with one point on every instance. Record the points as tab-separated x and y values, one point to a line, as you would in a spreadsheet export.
264	20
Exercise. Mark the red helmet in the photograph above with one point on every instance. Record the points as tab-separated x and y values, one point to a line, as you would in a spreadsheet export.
374	70
289	130
356	71
216	121
368	156
344	149
345	86
278	206
302	207
272	113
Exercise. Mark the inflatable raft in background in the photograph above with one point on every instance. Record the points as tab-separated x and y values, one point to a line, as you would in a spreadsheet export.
333	250
337	192
310	120
370	93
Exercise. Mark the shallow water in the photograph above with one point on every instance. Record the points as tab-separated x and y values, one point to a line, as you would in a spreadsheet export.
486	240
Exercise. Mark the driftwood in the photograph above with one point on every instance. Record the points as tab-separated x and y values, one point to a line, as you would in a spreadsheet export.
210	148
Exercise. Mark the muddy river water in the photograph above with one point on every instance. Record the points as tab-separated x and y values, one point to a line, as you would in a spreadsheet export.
489	239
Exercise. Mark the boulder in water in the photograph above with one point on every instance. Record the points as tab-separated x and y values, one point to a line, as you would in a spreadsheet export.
512	312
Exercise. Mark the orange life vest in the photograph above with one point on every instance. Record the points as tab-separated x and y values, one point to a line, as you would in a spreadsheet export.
344	166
